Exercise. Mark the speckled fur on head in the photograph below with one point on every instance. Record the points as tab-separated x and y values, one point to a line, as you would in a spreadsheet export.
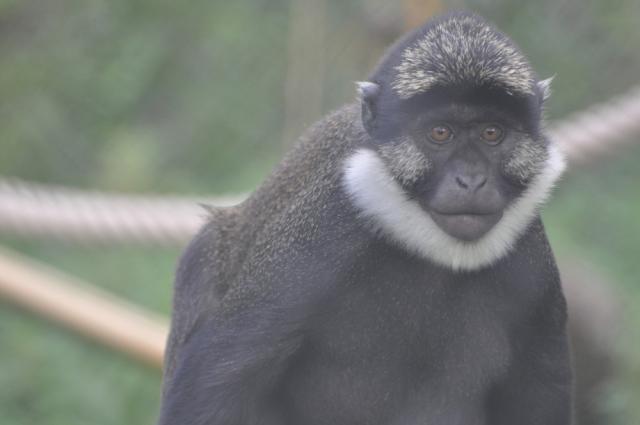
462	49
405	162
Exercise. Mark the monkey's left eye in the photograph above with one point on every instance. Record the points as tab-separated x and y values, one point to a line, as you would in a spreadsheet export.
492	133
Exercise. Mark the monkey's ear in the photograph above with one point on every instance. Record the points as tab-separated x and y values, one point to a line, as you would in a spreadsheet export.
545	88
368	93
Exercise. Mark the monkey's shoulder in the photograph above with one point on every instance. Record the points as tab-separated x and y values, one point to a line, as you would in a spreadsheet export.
200	278
310	171
301	209
205	265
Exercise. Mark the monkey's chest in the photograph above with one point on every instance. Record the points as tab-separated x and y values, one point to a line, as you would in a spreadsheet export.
385	348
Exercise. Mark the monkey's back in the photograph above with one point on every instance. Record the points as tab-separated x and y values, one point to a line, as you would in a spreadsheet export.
218	272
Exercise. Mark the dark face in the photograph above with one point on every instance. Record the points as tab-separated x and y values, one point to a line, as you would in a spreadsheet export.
466	193
477	159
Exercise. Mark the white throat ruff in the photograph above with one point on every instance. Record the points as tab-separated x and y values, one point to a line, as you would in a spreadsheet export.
383	202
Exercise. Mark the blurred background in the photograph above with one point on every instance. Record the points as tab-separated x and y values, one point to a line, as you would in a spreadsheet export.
201	99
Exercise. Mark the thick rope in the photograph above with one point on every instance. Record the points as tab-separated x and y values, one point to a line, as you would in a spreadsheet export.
586	135
33	210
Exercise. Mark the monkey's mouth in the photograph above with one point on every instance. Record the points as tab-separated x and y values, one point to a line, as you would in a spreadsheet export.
466	226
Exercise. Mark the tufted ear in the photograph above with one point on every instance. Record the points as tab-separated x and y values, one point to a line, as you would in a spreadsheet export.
545	88
368	93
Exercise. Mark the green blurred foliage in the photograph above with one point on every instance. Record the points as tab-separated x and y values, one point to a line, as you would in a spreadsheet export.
79	77
157	95
52	376
594	215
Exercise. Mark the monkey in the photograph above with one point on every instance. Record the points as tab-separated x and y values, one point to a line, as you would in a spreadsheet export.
394	268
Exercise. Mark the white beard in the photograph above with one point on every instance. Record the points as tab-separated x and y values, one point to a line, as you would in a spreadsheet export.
386	205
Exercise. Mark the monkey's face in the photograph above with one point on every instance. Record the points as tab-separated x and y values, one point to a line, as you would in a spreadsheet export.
464	164
455	176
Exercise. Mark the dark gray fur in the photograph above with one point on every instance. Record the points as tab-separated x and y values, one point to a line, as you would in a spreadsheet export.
289	310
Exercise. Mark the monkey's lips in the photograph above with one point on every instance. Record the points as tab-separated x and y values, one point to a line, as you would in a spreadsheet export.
466	226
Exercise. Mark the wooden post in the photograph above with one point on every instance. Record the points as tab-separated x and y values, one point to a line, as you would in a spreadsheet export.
304	82
418	11
86	309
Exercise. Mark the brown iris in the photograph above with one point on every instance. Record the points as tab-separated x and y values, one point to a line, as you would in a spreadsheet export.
492	133
440	133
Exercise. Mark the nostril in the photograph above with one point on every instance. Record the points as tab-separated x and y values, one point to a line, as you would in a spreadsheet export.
463	184
473	183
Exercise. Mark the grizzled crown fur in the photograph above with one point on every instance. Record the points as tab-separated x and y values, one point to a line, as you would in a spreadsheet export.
459	49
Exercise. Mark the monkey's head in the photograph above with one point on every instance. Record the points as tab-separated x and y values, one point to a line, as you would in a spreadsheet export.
456	163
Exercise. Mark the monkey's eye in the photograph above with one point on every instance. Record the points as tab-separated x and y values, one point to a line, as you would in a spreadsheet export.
492	133
440	133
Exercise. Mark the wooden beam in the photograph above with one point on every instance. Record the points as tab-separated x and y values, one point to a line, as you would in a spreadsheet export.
88	310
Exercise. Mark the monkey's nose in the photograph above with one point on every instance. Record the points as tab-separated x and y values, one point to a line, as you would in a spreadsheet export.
471	183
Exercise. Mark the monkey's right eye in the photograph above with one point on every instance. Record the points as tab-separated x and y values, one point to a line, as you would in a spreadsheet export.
440	133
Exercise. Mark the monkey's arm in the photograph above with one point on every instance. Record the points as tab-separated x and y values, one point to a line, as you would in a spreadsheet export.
227	350
227	369
538	389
